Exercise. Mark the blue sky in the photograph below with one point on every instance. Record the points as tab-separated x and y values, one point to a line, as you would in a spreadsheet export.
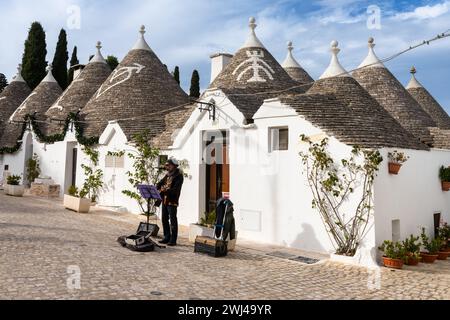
186	32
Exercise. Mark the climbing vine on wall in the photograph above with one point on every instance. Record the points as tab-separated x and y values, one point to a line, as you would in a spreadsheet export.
333	182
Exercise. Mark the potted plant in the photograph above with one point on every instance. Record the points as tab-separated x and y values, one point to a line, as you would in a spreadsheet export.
444	175
13	187
444	234
412	250
394	254
396	160
76	201
205	228
432	247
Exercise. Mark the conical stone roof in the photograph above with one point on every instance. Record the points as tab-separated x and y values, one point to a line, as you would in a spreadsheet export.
76	96
372	125
294	69
42	97
427	102
253	69
12	97
139	86
37	103
393	97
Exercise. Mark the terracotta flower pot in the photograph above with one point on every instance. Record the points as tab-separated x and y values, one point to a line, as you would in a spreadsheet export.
428	258
393	263
412	261
442	255
394	168
445	186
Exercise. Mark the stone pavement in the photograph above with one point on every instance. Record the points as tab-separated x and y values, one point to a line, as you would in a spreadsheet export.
41	244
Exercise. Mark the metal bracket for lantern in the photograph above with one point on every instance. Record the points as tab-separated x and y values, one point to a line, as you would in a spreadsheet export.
210	107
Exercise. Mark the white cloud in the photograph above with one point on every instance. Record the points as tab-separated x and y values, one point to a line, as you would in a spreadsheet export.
426	12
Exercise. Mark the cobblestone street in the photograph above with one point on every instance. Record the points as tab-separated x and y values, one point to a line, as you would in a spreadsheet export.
39	240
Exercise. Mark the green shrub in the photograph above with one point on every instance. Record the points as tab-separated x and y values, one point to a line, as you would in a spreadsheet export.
432	246
13	180
73	191
209	219
444	174
33	168
393	250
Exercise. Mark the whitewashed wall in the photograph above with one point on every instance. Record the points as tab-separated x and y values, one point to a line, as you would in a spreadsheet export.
280	192
16	161
55	160
271	196
413	196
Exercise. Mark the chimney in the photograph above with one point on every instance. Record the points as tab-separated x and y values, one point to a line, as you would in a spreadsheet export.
218	62
77	70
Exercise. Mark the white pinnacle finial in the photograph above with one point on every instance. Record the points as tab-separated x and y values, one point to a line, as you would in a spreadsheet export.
49	77
371	61
141	44
290	61
335	68
252	40
98	57
18	77
413	83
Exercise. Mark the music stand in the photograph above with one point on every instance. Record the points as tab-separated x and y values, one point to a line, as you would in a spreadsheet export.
149	193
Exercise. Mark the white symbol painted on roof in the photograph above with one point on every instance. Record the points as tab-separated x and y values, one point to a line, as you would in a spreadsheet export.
124	74
22	107
257	65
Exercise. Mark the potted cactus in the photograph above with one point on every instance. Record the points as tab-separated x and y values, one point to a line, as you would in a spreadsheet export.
394	254
13	187
396	160
444	175
412	248
432	248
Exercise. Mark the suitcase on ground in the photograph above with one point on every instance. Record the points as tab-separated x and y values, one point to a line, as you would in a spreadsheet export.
145	247
213	247
153	229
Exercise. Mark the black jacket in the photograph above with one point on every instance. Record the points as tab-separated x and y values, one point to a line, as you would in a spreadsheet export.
172	195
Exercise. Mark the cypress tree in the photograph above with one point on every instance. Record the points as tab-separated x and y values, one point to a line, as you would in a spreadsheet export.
73	62
33	60
176	74
195	85
3	82
112	61
60	60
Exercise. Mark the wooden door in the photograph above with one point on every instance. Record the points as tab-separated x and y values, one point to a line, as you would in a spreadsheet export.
217	175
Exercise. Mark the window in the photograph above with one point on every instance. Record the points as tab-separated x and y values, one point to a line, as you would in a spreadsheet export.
114	162
279	139
395	230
